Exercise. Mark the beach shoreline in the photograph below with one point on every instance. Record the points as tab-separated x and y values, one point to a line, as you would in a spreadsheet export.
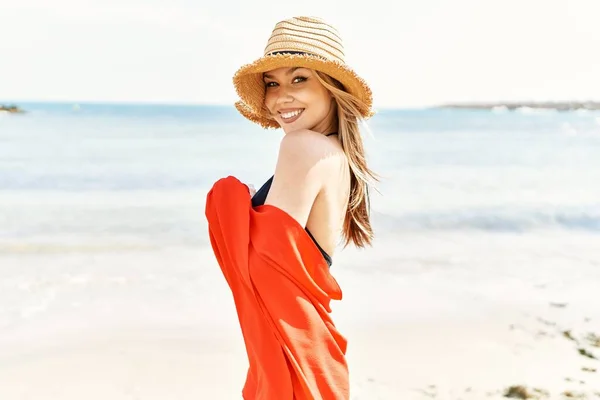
410	337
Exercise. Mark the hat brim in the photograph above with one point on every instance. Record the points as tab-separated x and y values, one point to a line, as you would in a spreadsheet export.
250	87
256	117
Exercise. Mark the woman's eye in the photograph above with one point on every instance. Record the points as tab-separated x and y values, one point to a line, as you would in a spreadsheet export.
297	79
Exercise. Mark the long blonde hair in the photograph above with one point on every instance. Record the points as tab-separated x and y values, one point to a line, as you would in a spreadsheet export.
357	223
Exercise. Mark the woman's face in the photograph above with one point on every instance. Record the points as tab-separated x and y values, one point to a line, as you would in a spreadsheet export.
297	100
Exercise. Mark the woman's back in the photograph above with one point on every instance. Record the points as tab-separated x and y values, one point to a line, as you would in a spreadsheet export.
326	216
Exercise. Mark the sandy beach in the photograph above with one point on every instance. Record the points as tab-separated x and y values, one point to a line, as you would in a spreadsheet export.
468	361
409	338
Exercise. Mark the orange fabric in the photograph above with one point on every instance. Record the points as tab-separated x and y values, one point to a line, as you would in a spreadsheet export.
282	288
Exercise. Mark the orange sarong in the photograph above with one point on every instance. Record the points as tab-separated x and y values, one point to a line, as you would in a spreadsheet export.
282	288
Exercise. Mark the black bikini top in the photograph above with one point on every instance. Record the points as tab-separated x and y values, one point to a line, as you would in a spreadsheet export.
259	199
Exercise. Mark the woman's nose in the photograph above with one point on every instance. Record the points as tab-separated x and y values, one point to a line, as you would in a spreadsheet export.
284	97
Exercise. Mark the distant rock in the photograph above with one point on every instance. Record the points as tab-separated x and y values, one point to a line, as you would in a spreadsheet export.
559	106
13	109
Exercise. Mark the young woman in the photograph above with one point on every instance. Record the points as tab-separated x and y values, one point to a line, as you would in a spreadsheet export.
319	191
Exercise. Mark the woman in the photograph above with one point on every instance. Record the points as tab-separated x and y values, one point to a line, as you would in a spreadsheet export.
275	247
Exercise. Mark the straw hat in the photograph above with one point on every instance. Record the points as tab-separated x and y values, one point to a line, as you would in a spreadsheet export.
307	42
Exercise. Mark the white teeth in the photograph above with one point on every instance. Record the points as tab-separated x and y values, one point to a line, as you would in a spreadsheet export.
291	114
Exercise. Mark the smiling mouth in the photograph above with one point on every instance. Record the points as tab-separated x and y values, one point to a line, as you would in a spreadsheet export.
291	116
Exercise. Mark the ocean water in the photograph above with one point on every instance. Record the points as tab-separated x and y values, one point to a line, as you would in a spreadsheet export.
117	170
102	206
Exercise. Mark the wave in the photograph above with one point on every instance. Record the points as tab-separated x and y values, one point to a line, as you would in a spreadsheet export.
84	183
495	220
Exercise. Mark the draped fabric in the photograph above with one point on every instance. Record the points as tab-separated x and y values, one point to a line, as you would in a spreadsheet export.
282	288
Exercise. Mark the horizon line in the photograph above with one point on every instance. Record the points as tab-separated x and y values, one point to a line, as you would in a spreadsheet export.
219	104
174	103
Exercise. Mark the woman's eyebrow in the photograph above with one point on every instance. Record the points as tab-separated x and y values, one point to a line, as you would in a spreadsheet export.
289	72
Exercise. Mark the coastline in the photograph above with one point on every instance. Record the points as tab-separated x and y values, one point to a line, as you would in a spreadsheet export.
557	105
11	109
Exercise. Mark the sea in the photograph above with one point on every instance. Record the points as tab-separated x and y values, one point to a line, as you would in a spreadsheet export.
102	213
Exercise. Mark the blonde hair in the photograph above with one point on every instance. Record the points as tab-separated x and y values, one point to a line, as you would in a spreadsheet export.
357	224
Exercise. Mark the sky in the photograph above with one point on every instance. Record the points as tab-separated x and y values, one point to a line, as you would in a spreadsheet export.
412	53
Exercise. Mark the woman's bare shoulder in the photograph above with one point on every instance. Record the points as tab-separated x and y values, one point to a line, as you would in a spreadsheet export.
307	162
310	147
